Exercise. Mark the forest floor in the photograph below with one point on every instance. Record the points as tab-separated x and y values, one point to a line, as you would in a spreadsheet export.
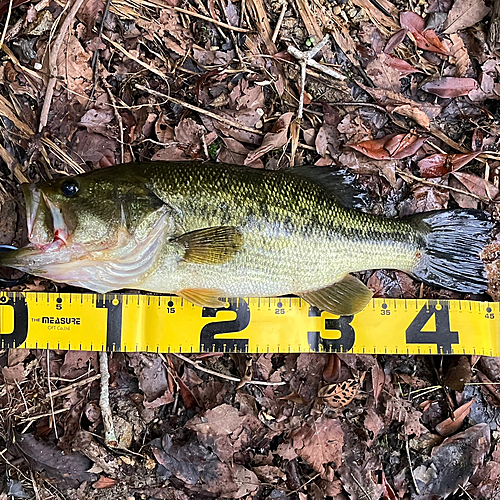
405	95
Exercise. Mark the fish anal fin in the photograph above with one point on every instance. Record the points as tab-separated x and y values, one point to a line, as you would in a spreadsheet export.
347	296
212	245
203	297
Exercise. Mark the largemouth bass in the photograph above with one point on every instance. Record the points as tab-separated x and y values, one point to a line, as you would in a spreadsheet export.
206	231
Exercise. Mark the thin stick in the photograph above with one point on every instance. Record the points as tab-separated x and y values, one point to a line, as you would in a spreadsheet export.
138	61
5	28
56	47
50	395
72	387
411	466
280	21
221	119
441	186
107	417
209	19
118	117
200	367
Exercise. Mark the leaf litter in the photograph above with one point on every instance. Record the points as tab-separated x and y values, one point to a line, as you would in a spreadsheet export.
414	117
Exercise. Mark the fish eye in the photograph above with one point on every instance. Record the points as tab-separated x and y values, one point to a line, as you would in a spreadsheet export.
70	188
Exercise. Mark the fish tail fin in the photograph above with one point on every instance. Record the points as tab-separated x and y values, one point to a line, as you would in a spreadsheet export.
452	243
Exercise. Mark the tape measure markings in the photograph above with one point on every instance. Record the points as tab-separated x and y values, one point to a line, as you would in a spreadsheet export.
167	323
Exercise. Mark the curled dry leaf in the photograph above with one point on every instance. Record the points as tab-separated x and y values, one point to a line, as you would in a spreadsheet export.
449	426
441	164
425	39
390	147
450	86
275	139
378	380
331	372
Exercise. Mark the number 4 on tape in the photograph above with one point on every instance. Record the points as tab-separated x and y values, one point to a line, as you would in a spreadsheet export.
443	337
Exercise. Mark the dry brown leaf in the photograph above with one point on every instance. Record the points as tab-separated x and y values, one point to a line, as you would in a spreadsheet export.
425	39
275	139
320	443
340	394
390	147
104	482
477	185
383	74
450	86
441	164
459	55
449	426
378	381
458	374
331	372
294	397
464	14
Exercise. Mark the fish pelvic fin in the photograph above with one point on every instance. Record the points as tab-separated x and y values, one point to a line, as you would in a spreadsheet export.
347	296
212	245
452	242
203	297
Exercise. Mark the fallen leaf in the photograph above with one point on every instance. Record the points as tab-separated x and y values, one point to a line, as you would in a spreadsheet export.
295	398
450	86
390	147
477	185
13	374
378	381
319	443
275	139
403	68
440	164
459	55
458	374
395	41
449	426
383	74
464	14
340	394
425	39
331	372
104	482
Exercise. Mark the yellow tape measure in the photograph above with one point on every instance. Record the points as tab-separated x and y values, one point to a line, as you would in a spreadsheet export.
126	322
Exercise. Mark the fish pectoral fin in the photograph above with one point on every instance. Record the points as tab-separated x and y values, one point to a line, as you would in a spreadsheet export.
347	296
211	245
203	297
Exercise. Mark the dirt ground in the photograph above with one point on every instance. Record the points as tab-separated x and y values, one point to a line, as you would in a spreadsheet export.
404	94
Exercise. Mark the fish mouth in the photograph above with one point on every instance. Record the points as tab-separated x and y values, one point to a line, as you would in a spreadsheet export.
37	204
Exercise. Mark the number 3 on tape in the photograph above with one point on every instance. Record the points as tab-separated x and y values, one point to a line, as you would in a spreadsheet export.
443	337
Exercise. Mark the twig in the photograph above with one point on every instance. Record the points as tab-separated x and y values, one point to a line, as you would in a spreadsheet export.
411	466
131	56
56	47
307	57
50	395
72	387
280	21
441	186
96	51
221	119
209	19
118	117
107	417
200	367
5	28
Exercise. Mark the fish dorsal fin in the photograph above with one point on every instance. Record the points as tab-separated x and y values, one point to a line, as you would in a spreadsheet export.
342	184
212	245
347	296
203	297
